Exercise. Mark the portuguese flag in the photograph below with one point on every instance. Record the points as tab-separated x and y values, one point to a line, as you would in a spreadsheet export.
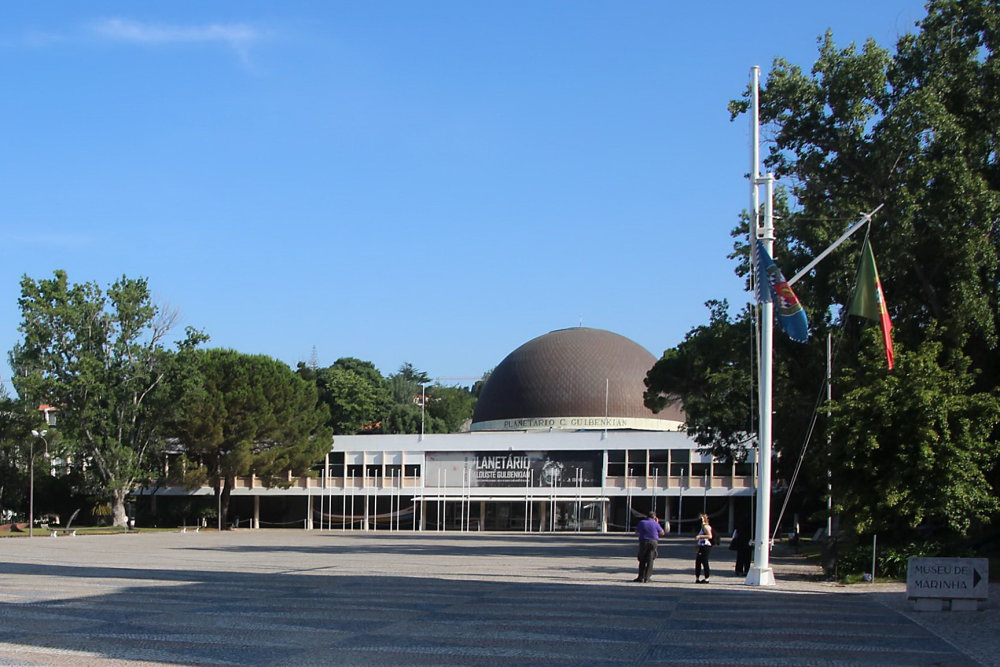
869	300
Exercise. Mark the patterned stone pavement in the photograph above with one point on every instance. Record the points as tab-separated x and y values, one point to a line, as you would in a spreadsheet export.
331	598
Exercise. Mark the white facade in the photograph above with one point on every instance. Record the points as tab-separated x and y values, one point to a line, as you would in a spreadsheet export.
511	480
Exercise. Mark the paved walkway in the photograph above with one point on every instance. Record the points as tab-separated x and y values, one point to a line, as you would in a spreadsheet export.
318	598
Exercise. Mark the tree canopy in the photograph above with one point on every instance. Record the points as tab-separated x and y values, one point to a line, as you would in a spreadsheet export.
355	394
916	130
249	414
361	400
99	356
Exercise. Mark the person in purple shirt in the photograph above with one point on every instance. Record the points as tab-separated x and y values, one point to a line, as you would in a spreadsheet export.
649	531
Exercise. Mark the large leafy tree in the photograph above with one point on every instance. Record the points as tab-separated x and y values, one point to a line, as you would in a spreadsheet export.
248	414
406	383
361	400
449	407
710	373
913	445
16	443
98	356
407	387
355	393
915	130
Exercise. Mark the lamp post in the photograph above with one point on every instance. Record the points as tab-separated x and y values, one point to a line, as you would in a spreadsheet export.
680	503
31	479
704	485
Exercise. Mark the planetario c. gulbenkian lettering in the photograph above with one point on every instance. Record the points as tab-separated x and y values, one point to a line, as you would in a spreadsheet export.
560	440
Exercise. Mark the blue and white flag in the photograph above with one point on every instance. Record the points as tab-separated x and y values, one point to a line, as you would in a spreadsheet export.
772	286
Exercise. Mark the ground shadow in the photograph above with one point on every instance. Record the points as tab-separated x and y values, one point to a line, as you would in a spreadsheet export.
196	617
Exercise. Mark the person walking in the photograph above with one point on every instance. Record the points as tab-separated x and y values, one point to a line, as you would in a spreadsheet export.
704	549
649	531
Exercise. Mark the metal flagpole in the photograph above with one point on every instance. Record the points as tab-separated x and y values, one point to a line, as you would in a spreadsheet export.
763	232
704	487
829	444
531	505
527	485
761	574
607	393
652	491
579	492
552	504
680	503
628	501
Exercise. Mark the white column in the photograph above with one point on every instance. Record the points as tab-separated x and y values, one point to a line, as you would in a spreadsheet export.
760	573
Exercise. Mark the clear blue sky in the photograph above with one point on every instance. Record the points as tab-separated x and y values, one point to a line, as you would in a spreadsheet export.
425	182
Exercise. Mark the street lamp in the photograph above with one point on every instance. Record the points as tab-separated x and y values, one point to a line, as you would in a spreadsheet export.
31	478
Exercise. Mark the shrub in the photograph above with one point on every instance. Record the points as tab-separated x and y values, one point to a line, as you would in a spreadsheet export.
890	559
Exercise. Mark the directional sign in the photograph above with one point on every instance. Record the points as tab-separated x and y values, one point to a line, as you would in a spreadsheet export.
955	578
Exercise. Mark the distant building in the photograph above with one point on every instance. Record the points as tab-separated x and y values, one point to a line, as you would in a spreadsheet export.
560	440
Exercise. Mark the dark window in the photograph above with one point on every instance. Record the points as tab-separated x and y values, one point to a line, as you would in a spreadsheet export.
722	468
680	462
658	459
337	464
616	463
637	462
699	470
412	470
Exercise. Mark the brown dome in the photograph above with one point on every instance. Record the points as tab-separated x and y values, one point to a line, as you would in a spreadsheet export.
571	379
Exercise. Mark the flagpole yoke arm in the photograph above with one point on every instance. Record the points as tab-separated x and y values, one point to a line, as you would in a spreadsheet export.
865	218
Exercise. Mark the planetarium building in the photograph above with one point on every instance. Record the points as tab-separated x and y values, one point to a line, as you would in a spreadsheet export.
560	441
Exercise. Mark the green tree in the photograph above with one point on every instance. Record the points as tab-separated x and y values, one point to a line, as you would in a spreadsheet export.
355	394
249	414
406	383
914	130
98	356
710	371
405	418
449	407
407	388
16	441
922	427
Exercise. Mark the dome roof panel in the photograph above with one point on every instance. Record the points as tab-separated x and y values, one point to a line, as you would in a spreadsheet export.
571	379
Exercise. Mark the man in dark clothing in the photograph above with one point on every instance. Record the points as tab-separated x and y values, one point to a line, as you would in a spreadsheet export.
744	550
649	531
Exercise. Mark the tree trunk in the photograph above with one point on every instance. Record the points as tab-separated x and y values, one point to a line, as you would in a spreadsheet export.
227	491
118	514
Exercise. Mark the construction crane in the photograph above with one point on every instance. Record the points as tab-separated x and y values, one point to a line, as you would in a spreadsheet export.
459	378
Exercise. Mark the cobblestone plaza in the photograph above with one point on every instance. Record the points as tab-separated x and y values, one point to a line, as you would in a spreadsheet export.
292	597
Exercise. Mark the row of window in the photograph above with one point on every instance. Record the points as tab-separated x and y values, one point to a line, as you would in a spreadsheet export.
621	463
679	462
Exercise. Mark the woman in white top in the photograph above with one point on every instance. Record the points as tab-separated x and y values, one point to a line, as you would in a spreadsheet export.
704	541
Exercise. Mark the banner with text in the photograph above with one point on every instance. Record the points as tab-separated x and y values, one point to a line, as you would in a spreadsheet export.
512	469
